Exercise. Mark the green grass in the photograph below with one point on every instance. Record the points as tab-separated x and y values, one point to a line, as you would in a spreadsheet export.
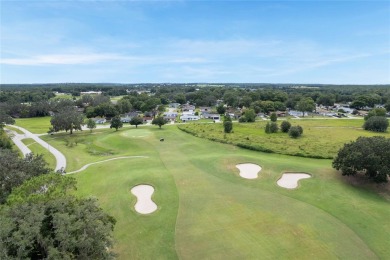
321	138
38	149
206	210
36	125
220	215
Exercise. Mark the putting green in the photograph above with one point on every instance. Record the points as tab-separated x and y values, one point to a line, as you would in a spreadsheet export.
136	133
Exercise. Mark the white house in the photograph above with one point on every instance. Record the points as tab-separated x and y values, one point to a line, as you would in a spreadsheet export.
189	118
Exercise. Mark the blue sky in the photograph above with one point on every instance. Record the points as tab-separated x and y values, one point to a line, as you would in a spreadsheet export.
336	42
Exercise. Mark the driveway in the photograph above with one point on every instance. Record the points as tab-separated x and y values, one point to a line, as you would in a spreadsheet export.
60	158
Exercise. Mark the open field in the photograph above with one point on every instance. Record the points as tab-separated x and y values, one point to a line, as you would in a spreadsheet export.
321	138
36	125
206	210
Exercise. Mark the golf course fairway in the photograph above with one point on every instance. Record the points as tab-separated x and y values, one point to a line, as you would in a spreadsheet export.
206	210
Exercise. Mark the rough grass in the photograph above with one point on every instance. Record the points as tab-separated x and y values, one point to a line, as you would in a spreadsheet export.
321	138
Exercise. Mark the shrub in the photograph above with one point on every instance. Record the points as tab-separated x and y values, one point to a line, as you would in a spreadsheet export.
268	128
274	127
295	131
300	129
376	124
273	117
285	126
228	126
242	119
271	127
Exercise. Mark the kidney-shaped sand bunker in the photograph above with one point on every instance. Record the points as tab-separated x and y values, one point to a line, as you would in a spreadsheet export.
145	204
290	180
249	170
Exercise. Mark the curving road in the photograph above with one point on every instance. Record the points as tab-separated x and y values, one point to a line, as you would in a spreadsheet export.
60	158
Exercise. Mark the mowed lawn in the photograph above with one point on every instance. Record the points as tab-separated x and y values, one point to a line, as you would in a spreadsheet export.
36	125
206	210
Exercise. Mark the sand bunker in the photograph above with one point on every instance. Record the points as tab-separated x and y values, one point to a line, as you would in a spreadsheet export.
290	180
144	204
249	170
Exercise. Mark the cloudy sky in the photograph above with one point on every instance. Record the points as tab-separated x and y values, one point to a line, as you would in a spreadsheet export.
339	42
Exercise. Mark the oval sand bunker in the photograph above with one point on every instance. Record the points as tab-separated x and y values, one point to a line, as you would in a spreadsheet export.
249	170
144	204
290	180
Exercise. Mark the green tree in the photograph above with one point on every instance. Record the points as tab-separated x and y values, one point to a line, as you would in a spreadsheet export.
285	126
367	155
376	124
221	109
326	100
14	170
68	119
375	112
160	121
305	104
227	126
61	228
387	106
116	123
5	119
91	124
273	117
136	121
249	115
42	188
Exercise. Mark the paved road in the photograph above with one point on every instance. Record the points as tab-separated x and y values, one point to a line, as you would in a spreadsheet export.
60	158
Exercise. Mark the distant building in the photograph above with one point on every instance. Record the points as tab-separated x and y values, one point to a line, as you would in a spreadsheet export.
91	93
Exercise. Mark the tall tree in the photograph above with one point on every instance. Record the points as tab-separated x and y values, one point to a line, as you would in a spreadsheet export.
116	123
68	119
136	121
160	121
91	124
306	104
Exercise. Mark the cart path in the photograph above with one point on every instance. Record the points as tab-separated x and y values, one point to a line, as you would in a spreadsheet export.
116	158
60	158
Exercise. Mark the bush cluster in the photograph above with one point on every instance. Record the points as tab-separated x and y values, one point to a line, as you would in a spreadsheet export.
295	131
376	124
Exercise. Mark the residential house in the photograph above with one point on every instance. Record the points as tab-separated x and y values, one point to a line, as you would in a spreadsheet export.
187	107
174	105
188	117
170	116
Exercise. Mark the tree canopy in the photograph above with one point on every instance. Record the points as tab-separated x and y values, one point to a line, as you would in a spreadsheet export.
160	121
136	121
14	170
116	123
67	119
305	104
368	155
